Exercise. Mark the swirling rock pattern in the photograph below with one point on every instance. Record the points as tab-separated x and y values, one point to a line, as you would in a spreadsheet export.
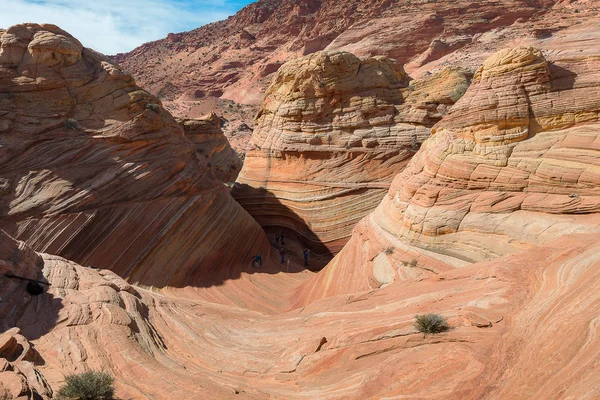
512	164
87	319
93	168
520	139
524	325
331	134
506	317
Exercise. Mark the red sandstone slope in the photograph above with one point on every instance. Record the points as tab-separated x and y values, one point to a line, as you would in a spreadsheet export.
507	318
231	58
522	326
514	163
330	136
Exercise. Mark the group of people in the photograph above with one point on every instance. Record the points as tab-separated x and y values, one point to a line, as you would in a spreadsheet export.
280	242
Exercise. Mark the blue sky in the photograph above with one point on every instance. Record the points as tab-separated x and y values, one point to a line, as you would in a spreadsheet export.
114	26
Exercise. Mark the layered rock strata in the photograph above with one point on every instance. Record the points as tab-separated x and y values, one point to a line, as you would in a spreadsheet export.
506	317
20	377
204	69
85	319
94	169
513	163
236	58
211	143
329	137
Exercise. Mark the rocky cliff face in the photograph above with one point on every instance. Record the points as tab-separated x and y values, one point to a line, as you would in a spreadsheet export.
493	224
222	65
206	134
512	164
331	134
232	58
94	169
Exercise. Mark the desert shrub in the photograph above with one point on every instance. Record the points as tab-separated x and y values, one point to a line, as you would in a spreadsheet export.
72	123
431	323
459	91
389	250
412	263
153	107
92	385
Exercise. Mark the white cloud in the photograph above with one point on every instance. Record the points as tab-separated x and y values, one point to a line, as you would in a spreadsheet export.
114	26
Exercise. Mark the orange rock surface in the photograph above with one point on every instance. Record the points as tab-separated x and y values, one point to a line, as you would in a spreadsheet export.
211	143
507	318
331	134
92	168
513	164
493	224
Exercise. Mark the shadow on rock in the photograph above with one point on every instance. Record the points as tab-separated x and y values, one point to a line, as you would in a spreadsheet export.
277	219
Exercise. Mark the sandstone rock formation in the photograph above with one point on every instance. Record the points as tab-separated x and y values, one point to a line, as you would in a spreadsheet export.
207	136
493	224
88	319
364	345
195	72
329	137
507	316
20	377
512	164
234	58
94	169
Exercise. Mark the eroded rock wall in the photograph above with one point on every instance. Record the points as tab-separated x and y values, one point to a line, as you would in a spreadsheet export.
331	134
94	169
211	143
235	58
513	164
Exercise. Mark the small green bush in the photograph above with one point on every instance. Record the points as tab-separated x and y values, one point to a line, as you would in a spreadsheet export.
389	250
72	123
431	323
92	385
459	91
153	107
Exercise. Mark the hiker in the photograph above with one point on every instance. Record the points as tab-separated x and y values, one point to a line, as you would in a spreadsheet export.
282	255
257	261
277	239
305	254
282	242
